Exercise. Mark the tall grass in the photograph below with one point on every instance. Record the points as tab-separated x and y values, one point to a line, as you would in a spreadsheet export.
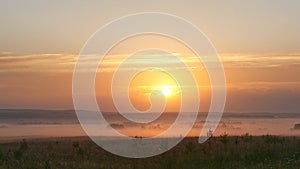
218	152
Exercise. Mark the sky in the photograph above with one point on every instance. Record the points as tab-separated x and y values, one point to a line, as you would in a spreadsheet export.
258	42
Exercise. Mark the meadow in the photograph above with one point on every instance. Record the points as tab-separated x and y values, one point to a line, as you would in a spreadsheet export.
224	151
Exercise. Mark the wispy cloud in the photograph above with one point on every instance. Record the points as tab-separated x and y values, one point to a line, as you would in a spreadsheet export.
37	63
259	61
4	53
263	85
66	62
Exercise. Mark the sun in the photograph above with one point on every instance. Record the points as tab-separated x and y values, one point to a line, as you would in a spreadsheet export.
166	90
154	82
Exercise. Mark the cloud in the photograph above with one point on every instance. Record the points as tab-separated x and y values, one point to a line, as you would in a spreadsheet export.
5	53
259	61
66	62
37	63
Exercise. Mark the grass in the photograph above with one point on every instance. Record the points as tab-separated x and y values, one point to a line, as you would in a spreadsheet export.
218	152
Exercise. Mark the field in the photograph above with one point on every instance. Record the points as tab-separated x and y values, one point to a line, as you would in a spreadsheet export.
218	152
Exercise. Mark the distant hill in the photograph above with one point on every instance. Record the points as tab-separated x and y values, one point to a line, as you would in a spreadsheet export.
36	116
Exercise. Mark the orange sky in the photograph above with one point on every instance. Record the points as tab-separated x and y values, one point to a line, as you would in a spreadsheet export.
254	82
40	42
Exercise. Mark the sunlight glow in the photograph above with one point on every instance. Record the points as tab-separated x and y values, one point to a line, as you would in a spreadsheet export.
166	91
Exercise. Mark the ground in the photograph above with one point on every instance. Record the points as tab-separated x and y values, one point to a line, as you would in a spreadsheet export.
218	152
